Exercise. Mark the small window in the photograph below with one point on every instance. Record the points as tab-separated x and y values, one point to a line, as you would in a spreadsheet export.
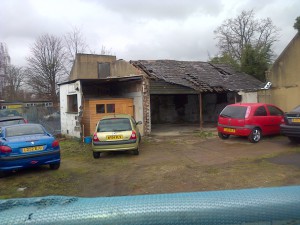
260	111
103	70
110	108
72	103
100	108
274	111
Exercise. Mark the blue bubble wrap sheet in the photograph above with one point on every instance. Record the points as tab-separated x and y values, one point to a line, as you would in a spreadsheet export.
279	205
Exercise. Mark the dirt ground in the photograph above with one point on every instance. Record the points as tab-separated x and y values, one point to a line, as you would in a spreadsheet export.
182	161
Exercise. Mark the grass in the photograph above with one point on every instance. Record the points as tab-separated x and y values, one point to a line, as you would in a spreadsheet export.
204	134
125	174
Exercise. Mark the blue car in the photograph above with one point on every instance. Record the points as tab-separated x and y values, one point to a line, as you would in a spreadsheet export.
27	145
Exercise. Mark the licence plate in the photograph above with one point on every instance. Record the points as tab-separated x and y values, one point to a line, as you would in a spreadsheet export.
231	130
33	149
114	137
296	120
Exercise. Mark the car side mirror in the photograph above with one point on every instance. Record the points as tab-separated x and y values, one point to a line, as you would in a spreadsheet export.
139	122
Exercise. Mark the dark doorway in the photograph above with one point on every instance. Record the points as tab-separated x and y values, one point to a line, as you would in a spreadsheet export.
184	108
180	108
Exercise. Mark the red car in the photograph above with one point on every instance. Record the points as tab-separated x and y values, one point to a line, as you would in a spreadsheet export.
252	120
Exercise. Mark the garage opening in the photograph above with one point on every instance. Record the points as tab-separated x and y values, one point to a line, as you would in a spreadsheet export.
180	108
185	108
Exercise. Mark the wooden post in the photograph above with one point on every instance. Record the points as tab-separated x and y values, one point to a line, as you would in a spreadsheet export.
200	110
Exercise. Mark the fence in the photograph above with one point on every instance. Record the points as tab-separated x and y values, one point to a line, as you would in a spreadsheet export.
49	117
261	206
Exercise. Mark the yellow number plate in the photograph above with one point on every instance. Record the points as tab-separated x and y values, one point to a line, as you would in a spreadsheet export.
33	149
114	137
296	120
231	130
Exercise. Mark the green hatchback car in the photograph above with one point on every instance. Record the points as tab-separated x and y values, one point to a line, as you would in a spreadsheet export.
116	133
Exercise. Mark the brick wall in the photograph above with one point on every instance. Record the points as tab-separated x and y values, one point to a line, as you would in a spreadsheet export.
147	110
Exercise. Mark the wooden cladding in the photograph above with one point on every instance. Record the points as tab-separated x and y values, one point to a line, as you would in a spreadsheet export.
95	109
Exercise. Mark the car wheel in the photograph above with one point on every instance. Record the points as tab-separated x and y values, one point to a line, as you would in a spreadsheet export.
223	136
136	151
255	135
96	155
295	140
54	166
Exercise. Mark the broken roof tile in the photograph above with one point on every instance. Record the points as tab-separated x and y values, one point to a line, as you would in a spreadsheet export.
200	76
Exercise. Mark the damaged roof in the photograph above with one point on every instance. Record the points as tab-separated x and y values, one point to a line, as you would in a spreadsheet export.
200	76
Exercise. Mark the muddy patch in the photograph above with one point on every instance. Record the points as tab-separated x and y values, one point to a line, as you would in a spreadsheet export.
292	159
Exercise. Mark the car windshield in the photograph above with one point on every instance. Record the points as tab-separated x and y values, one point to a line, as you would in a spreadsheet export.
115	124
27	129
11	122
236	112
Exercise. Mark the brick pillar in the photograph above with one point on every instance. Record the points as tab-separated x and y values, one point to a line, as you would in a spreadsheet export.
146	106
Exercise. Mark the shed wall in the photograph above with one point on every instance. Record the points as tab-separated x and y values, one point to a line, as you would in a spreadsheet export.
70	124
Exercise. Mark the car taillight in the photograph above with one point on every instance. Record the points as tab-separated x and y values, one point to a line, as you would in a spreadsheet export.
5	149
247	112
55	143
285	120
133	135
95	137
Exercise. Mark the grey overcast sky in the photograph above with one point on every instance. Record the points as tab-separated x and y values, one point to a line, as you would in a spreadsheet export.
137	29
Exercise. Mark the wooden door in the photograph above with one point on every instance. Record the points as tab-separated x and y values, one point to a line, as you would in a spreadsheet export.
99	108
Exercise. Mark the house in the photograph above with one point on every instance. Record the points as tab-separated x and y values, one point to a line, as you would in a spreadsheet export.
152	91
285	77
100	85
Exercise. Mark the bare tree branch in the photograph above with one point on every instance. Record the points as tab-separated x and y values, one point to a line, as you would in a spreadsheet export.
74	42
13	81
234	34
46	66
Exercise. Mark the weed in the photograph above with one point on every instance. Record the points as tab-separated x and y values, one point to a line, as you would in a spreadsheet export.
204	134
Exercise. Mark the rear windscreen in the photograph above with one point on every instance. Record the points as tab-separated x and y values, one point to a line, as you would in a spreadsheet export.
11	122
115	124
24	130
237	112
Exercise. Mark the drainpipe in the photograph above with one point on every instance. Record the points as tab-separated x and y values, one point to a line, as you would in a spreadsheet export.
200	110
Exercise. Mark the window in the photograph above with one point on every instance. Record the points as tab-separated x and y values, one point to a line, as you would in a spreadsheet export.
103	70
100	108
236	112
274	111
72	103
260	111
110	108
116	124
24	130
105	108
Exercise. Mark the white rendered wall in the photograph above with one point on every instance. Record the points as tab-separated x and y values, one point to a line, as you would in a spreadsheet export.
249	97
69	121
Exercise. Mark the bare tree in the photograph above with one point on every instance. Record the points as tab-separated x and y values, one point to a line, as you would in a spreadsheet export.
4	64
74	42
13	81
105	51
46	66
244	30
